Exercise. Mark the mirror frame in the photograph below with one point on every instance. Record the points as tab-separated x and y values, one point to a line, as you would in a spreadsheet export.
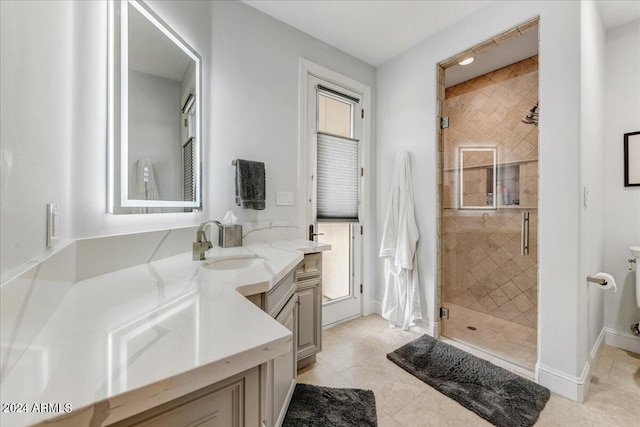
121	139
494	151
631	168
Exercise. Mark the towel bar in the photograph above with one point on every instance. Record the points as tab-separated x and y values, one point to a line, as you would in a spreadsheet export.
597	280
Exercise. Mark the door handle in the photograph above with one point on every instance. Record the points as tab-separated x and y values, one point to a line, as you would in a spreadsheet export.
312	235
524	234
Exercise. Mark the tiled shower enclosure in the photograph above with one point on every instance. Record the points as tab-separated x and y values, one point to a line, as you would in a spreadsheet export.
489	179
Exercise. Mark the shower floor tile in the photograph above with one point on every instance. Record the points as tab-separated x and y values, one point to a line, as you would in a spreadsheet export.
507	340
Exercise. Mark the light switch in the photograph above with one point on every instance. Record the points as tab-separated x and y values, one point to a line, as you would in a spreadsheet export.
284	198
585	197
52	224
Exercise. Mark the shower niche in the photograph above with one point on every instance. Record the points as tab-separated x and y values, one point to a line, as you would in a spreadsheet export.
485	184
506	190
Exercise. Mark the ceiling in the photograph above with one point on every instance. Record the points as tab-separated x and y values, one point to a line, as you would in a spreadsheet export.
377	30
507	53
373	31
618	12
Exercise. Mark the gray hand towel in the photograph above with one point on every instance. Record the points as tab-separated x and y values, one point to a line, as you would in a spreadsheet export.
250	184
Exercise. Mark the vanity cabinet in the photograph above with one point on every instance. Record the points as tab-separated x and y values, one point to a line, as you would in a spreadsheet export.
281	372
279	375
308	282
258	397
234	402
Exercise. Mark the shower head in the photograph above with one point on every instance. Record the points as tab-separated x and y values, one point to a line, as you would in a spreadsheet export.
532	117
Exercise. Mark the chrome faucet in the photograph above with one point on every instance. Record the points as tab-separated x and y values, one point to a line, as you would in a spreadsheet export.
202	245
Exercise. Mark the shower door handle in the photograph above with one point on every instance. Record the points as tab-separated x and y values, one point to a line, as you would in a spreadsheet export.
524	234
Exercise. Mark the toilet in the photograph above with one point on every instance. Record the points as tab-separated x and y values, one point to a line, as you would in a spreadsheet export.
635	251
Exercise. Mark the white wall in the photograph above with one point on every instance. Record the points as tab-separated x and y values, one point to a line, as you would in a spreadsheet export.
56	120
622	227
154	132
592	152
36	134
192	20
407	120
255	103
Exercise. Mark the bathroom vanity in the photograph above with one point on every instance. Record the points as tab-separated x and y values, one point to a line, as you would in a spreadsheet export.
176	341
258	396
107	336
308	279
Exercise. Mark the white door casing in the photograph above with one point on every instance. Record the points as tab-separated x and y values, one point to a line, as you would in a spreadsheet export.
341	309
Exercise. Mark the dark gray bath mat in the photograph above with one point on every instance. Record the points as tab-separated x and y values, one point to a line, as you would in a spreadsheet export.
497	395
314	406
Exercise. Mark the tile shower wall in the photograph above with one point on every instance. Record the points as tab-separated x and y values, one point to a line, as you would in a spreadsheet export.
483	268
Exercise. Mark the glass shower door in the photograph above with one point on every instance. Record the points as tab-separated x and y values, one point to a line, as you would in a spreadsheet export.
490	213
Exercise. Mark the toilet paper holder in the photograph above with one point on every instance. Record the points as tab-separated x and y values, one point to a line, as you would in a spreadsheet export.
597	280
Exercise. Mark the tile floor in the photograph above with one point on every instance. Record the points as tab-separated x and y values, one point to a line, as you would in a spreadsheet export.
511	341
354	355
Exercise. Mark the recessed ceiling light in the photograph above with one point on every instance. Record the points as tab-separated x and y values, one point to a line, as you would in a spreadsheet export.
467	61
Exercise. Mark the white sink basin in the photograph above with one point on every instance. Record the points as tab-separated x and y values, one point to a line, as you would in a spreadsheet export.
239	262
635	251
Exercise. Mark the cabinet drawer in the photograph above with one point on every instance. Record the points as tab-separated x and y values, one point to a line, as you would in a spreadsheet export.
310	266
277	297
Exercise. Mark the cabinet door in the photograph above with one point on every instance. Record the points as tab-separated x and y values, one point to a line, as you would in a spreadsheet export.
234	402
278	296
284	367
309	318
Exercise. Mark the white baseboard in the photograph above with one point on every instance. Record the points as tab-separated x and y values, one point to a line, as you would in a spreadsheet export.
587	372
429	328
569	386
422	328
373	307
624	340
560	383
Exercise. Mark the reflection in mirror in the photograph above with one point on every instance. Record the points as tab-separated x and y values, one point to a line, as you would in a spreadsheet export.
155	146
477	178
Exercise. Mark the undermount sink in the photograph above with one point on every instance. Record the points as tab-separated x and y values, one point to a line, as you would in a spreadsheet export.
234	263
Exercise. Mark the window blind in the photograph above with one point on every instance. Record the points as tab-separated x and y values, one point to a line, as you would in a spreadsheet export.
337	178
321	88
188	189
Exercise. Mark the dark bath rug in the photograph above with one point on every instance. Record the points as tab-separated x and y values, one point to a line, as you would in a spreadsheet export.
497	395
314	406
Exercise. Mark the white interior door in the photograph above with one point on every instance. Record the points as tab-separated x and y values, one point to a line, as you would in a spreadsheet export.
335	160
341	273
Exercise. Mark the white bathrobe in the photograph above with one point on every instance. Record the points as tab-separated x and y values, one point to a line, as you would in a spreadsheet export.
401	302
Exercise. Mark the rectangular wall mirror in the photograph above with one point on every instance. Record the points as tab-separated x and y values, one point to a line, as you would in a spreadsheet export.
478	178
155	107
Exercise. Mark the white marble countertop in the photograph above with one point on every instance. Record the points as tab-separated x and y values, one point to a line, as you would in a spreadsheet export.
127	341
301	245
